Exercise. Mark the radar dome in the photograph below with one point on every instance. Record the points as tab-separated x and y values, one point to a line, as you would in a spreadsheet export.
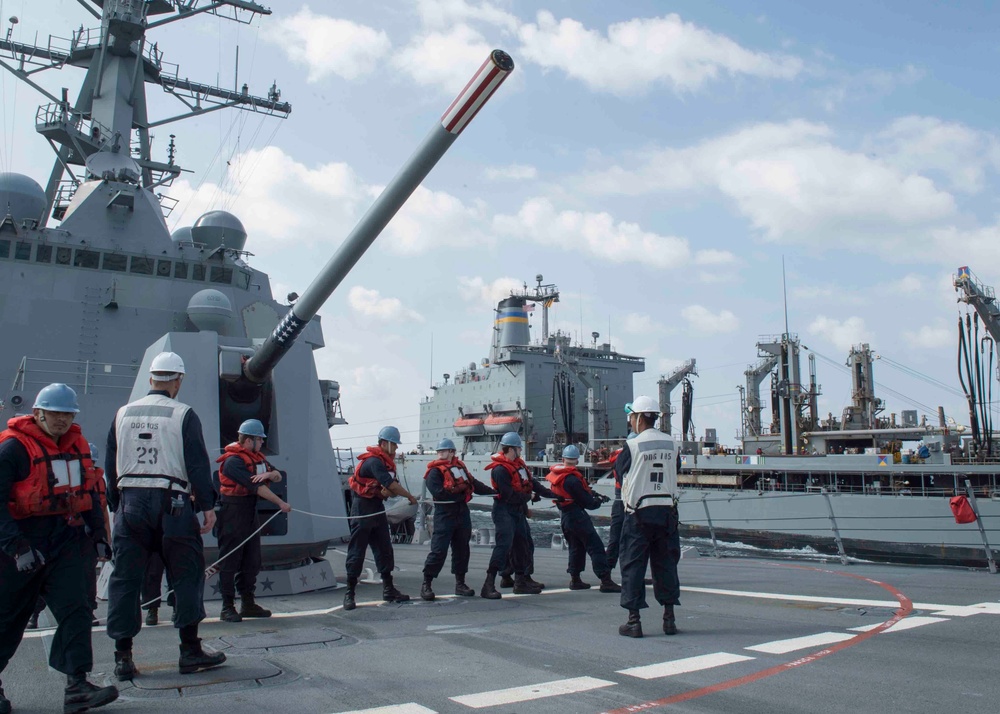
216	228
21	197
210	310
182	235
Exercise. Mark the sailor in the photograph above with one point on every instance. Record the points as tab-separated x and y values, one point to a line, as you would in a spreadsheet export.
647	468
373	481
159	475
50	519
578	530
452	487
243	477
617	508
515	488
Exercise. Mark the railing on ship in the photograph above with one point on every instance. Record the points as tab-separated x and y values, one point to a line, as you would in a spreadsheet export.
85	376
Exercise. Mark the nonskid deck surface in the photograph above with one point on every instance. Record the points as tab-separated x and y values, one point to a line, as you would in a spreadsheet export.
756	636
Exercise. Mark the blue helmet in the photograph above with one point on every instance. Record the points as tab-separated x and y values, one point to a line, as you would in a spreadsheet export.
631	435
390	433
511	438
57	398
445	444
628	408
571	452
252	427
94	453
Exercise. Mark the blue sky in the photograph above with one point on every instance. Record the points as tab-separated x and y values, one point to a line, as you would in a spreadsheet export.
655	160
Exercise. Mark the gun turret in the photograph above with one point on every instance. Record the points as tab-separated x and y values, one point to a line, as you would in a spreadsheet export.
442	135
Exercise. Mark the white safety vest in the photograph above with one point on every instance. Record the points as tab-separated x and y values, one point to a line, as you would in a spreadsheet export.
652	477
151	445
458	474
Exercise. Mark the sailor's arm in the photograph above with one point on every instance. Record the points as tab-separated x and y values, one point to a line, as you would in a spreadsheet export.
13	462
199	469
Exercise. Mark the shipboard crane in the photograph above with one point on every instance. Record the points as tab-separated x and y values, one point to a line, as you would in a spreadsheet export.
756	374
975	379
666	385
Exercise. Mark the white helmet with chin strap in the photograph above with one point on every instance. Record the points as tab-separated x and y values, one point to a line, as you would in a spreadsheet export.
166	367
645	405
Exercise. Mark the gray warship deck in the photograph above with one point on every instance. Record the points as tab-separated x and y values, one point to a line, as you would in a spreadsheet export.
756	636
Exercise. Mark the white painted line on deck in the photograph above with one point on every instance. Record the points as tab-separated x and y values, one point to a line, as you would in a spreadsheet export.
894	604
683	666
533	691
907	623
410	708
801	643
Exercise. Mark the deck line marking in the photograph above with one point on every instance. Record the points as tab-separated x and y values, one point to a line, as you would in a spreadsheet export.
907	624
817	599
683	666
800	643
409	708
905	606
532	691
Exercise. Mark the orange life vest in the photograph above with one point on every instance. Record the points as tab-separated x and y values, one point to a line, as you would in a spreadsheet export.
49	489
522	485
228	487
365	486
557	477
452	484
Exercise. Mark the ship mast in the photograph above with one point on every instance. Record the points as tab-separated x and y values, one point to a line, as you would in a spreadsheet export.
111	105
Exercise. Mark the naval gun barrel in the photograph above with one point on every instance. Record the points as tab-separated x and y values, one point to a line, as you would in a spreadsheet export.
443	134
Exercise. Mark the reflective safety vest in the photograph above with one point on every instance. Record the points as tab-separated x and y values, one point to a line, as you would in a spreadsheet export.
457	478
366	486
652	477
62	479
557	477
520	481
254	461
151	444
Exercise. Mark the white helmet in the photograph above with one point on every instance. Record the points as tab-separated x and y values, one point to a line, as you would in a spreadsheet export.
645	405
166	366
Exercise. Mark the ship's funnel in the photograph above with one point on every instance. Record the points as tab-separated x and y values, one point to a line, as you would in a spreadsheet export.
512	322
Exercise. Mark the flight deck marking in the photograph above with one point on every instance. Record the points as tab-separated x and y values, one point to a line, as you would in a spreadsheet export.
532	691
801	643
683	666
905	608
409	708
907	624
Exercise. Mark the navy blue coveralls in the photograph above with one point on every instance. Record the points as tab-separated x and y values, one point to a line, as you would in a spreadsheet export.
510	519
648	535
371	531
62	581
237	520
452	526
579	532
143	526
617	519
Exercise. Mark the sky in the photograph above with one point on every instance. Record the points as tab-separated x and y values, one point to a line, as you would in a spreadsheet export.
658	161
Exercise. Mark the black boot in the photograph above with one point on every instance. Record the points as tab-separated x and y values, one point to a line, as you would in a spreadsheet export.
489	590
5	707
521	586
32	625
349	603
609	586
632	628
249	608
390	593
125	668
576	584
669	623
534	583
229	613
426	592
462	589
194	658
153	616
81	695
506	581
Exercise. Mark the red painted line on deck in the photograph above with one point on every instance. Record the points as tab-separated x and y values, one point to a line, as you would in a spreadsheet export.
905	608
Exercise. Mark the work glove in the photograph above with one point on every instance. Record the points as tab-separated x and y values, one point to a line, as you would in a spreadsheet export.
604	498
535	498
28	559
104	551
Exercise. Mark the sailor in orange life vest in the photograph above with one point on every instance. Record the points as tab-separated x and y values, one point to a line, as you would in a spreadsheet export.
374	480
50	513
159	475
572	487
452	487
515	488
617	508
243	475
647	468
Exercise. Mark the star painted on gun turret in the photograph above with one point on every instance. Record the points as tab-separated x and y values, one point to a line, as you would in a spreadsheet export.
322	574
215	588
303	579
268	584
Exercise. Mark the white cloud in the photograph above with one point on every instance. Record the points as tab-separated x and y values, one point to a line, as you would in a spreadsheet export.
842	334
443	13
328	45
910	284
488	294
597	234
431	219
975	247
640	53
714	257
702	319
372	383
444	59
514	172
637	324
370	304
930	336
867	84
